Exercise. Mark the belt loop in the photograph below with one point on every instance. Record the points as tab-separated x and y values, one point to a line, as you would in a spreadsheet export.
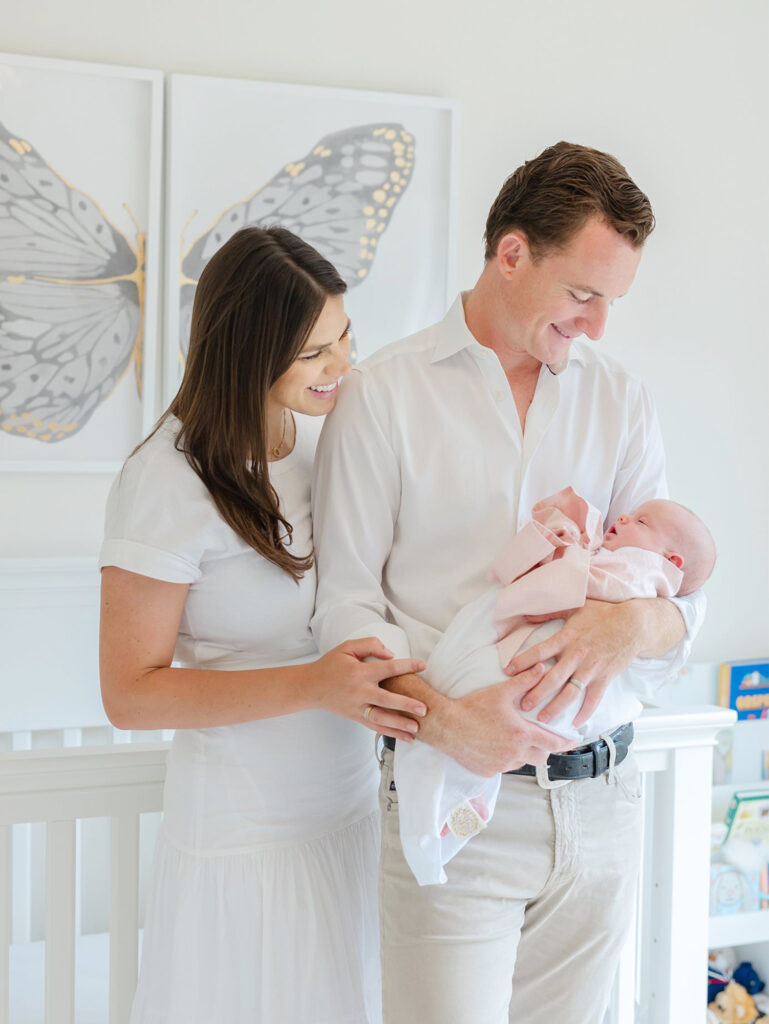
611	775
379	754
545	782
598	766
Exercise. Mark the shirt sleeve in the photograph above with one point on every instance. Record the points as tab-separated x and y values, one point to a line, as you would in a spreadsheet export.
640	478
158	518
355	502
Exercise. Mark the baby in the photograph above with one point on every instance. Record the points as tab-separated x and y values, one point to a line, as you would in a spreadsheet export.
555	562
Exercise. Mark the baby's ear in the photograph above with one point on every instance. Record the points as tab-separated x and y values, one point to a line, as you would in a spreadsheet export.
675	558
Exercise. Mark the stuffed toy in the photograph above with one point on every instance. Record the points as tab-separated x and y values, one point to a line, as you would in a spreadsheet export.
735	1006
747	976
721	967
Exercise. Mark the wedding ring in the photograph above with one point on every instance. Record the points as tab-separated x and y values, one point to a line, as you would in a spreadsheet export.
367	711
576	682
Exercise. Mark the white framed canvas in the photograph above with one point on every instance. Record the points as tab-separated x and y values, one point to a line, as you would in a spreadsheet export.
80	194
367	178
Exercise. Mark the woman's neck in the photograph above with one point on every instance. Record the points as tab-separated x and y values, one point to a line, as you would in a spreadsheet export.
281	433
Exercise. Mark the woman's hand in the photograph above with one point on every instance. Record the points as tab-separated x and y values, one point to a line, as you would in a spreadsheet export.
344	683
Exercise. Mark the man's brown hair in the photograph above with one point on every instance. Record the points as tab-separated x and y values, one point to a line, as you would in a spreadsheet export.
552	196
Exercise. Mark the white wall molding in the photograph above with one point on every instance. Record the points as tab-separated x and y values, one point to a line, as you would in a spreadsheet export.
49	644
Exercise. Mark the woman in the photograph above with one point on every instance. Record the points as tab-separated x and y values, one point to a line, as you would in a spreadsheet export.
262	906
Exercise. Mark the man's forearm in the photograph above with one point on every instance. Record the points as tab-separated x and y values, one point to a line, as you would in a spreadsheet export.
438	725
483	730
662	627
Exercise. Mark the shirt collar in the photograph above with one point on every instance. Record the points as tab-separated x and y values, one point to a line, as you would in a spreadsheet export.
454	336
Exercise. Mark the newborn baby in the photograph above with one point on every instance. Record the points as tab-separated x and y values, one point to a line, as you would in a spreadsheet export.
555	562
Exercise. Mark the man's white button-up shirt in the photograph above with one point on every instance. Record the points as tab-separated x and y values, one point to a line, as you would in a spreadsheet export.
422	471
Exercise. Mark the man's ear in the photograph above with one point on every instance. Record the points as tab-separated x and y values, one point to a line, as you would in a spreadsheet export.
511	249
675	558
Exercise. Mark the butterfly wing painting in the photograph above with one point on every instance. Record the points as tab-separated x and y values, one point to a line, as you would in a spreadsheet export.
71	299
339	198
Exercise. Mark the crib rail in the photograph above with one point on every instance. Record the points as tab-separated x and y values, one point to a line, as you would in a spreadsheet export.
59	788
662	965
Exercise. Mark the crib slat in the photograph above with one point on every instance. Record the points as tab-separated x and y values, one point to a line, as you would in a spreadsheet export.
5	921
21	838
123	915
60	922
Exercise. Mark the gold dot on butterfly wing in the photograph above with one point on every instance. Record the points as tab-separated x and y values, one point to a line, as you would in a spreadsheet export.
71	299
326	197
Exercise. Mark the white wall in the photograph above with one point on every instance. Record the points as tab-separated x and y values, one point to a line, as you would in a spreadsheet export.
678	90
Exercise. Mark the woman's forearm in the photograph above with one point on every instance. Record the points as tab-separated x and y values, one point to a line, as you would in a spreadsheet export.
190	698
345	681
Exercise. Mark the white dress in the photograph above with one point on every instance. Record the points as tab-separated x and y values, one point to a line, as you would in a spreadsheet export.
263	901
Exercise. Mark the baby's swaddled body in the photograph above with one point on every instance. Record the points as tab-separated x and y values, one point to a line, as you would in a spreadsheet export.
555	562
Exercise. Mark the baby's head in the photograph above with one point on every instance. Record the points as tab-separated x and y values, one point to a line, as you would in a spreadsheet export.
671	530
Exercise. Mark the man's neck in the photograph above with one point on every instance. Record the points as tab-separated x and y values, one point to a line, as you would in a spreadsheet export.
488	322
485	320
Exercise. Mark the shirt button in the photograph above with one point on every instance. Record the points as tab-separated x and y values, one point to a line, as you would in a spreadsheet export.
499	396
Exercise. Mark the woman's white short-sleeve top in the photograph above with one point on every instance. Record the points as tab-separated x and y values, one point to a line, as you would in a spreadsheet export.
241	609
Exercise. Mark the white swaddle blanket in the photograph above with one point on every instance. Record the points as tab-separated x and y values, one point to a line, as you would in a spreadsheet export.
553	563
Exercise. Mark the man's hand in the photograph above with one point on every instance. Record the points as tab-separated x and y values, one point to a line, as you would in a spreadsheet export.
595	644
484	731
490	735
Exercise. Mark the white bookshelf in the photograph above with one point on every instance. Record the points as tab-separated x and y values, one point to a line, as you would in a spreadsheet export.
748	933
738	929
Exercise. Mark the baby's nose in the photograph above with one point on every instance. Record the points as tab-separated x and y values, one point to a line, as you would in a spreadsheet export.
622	519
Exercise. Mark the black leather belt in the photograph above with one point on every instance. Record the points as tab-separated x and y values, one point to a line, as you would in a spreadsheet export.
586	762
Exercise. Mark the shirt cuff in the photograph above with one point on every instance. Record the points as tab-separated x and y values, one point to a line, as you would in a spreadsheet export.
648	675
148	561
391	636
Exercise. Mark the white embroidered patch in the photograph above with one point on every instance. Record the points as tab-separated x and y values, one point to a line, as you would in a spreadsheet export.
464	821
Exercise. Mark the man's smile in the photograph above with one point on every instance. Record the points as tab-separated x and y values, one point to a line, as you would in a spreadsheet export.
563	334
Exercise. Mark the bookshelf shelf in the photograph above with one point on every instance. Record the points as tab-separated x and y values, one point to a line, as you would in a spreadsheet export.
738	929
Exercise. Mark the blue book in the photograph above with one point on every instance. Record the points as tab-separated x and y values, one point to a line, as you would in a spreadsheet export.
744	686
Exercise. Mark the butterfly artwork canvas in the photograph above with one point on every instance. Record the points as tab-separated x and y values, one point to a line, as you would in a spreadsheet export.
79	236
364	177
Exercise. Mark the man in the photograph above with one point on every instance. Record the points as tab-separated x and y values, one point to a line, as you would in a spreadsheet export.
438	444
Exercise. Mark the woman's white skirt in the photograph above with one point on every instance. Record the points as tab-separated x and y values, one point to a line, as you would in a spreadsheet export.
281	935
263	903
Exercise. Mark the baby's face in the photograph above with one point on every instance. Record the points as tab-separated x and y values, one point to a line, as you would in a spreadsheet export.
652	527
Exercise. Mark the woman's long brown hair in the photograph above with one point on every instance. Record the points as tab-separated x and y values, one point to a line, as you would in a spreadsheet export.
257	300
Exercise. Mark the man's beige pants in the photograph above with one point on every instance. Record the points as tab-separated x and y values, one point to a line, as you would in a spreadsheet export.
529	927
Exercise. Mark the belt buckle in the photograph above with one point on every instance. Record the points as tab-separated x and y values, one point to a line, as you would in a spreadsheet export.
545	782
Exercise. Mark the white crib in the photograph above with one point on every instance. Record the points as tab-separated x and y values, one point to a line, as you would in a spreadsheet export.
71	791
65	790
57	782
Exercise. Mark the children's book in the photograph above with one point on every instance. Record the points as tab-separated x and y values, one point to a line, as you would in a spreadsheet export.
748	816
733	891
744	686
